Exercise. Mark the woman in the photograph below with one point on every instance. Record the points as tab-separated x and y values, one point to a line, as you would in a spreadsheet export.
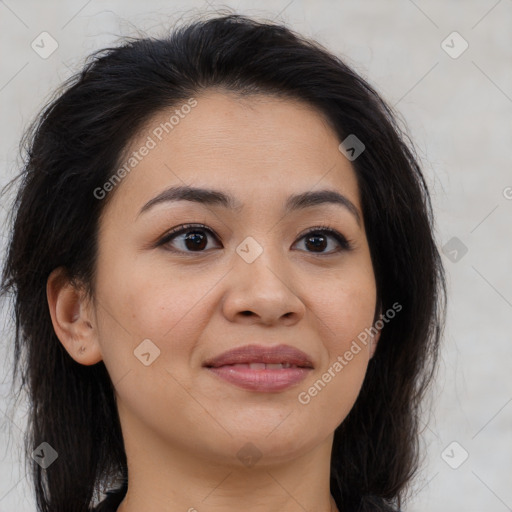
226	286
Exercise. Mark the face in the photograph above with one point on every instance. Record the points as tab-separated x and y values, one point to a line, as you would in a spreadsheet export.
261	271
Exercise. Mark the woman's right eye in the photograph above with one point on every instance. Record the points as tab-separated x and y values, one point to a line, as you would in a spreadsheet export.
194	240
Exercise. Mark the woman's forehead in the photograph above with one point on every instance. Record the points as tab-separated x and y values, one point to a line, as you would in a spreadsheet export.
265	150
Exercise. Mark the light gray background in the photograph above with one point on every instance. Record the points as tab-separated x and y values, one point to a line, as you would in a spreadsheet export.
457	110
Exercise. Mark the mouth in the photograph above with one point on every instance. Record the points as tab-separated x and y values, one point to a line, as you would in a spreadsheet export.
285	356
260	368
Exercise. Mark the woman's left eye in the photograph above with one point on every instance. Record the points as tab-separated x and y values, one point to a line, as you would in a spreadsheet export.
317	238
196	238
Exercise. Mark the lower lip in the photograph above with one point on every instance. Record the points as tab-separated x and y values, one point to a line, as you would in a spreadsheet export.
261	380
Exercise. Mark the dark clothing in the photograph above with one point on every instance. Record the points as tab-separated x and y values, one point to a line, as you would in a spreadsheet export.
114	497
112	500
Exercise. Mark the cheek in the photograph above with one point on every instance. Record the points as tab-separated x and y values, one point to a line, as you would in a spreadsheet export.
344	317
346	307
143	301
147	299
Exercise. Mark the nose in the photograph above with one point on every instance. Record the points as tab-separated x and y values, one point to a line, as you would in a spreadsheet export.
261	292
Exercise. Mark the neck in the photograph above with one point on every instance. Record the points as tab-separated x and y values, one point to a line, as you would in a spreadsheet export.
165	479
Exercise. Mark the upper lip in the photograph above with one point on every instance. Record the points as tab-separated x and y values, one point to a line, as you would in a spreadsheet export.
261	354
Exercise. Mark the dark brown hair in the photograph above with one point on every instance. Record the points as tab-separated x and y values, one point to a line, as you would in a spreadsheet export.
75	146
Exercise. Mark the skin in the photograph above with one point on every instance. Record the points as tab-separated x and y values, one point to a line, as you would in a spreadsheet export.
182	425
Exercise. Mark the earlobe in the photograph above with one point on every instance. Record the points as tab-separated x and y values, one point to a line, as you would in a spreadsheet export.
72	320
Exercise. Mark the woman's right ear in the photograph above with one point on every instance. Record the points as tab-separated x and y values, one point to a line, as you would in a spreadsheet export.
72	318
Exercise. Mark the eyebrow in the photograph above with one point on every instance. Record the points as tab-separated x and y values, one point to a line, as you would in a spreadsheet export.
217	198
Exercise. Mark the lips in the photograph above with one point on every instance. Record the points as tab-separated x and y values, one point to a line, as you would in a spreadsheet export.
260	368
262	357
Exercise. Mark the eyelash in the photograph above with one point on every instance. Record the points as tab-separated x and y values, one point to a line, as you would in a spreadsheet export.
345	244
